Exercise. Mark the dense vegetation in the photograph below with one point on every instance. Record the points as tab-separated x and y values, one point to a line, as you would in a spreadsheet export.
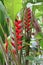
26	41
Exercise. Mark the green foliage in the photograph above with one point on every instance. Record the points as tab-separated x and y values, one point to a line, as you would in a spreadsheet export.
2	61
13	7
2	21
2	1
41	43
39	37
31	58
38	10
35	59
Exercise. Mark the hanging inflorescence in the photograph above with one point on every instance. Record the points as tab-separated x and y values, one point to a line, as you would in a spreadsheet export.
18	30
27	19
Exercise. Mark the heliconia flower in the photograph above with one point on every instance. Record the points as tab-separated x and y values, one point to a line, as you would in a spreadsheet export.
29	17
20	42
17	34
28	25
18	28
12	38
19	47
18	31
29	20
19	21
29	13
19	37
13	44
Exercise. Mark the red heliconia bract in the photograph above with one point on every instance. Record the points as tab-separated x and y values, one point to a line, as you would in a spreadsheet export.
12	39
13	44
18	28
19	42
27	19
19	21
19	47
19	37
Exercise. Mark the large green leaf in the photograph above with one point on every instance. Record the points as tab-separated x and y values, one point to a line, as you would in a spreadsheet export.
13	7
3	22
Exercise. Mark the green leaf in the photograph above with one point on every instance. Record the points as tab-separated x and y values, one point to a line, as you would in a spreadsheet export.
13	7
31	58
39	36
3	22
41	43
41	24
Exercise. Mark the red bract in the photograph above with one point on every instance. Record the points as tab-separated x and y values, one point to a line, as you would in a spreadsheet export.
13	44
28	25
19	42
29	20
19	47
19	31
29	13
19	21
12	38
19	37
19	27
17	34
29	17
